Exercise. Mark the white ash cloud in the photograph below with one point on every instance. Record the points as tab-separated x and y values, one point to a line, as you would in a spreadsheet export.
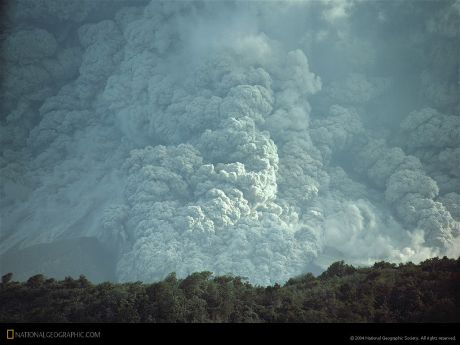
191	136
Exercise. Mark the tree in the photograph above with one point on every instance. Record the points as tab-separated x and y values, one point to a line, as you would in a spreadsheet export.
338	269
383	265
36	281
7	278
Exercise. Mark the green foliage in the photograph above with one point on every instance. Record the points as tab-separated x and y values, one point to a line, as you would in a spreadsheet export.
338	269
7	278
36	281
427	292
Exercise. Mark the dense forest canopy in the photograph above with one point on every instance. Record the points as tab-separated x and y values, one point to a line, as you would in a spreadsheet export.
385	292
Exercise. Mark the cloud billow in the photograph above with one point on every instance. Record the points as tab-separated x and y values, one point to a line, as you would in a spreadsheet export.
191	136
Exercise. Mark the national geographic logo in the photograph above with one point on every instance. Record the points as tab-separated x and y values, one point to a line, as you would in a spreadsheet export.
11	334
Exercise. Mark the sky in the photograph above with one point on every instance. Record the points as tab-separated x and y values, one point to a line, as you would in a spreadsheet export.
263	139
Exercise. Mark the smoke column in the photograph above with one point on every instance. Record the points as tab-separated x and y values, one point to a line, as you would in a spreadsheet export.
261	139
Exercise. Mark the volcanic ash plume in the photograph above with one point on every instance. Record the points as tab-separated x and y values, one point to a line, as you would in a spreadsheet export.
192	136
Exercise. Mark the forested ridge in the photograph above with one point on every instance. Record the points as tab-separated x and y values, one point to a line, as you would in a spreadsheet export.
385	292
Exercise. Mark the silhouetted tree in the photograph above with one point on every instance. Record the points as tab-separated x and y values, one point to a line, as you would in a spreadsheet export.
7	278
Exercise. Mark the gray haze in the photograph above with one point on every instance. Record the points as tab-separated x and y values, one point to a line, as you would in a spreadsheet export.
262	139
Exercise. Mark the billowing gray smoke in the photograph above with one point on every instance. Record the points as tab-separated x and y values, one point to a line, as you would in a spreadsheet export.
262	139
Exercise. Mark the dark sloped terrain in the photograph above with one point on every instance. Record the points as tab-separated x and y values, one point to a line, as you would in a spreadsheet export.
61	258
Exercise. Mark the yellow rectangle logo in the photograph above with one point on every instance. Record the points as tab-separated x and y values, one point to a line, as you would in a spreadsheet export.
10	334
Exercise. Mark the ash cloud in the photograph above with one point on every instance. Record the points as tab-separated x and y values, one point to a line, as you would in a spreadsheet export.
262	139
